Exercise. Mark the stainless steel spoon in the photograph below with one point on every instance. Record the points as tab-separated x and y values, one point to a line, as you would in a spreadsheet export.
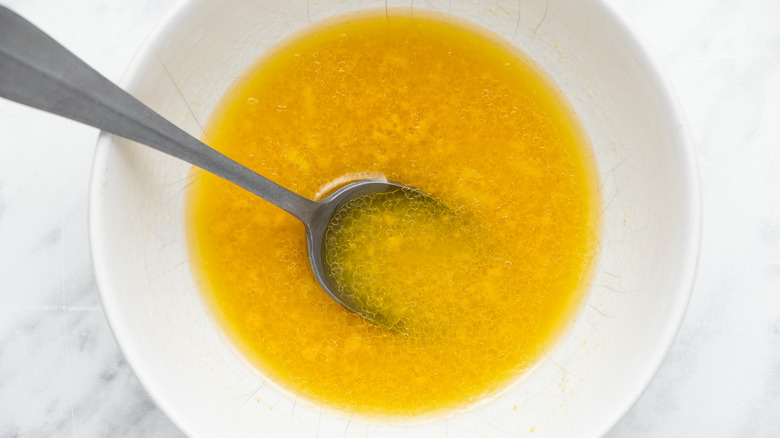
37	71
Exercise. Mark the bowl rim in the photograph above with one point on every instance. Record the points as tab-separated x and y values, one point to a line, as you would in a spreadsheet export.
692	246
98	248
690	253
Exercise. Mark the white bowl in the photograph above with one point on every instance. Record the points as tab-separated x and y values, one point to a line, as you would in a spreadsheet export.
651	219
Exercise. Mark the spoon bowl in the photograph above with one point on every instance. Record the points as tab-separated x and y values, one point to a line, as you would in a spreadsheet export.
317	227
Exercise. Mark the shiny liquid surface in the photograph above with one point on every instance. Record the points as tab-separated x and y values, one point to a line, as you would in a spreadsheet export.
482	289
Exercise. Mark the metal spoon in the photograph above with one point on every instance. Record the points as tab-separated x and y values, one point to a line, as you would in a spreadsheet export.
37	71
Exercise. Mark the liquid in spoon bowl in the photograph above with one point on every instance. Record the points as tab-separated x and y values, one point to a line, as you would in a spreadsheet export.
403	259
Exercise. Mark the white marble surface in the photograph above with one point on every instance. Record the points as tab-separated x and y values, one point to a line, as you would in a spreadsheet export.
62	374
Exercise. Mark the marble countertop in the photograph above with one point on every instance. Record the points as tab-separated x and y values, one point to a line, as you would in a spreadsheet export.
62	374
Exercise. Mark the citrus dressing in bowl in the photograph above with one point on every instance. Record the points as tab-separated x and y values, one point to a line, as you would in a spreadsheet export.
482	289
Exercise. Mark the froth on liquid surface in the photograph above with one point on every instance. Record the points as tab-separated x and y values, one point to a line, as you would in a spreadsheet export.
442	108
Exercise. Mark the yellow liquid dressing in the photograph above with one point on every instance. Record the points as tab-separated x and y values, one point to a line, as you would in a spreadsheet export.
478	284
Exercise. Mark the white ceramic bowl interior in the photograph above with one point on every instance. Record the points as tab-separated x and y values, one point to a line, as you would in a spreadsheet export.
639	293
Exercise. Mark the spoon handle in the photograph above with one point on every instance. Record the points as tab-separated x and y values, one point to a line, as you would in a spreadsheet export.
37	71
